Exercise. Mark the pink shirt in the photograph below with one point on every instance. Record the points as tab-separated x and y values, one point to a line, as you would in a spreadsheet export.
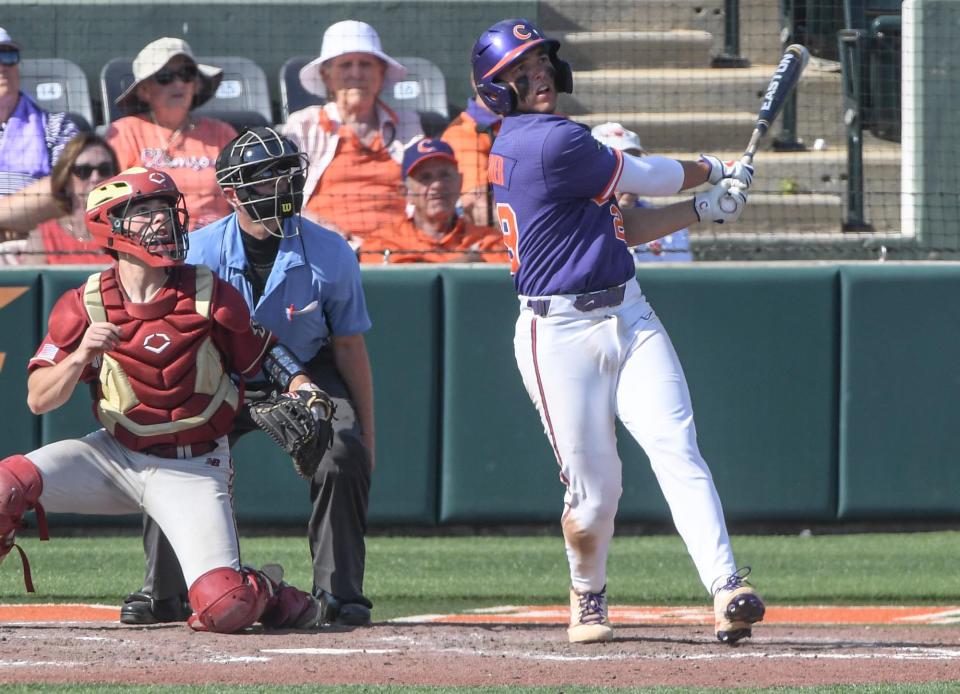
189	156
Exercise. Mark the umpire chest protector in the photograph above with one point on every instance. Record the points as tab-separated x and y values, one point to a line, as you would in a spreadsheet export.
165	382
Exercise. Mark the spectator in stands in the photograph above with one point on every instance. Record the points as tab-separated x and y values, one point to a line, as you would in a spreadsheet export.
31	139
86	162
162	133
672	248
354	142
433	231
471	136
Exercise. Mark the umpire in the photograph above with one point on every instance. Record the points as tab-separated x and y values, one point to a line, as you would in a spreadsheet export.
302	282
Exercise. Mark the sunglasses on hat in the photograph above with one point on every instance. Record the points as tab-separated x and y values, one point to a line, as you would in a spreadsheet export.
187	73
9	56
85	171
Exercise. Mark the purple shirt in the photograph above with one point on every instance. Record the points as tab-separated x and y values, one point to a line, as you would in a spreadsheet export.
553	184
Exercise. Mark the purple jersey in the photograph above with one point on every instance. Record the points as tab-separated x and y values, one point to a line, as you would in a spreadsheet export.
553	184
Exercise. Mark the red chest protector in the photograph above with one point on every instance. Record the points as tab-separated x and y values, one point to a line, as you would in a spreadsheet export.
166	382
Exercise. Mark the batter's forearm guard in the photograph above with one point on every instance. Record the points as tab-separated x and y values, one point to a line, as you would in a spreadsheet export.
281	366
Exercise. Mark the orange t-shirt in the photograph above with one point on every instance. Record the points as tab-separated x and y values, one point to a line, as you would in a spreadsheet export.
189	157
471	148
357	194
407	244
65	249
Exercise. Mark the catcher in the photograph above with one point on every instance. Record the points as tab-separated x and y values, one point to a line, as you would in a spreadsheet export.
158	340
302	282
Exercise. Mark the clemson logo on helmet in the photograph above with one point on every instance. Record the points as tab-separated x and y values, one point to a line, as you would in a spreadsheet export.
522	32
425	146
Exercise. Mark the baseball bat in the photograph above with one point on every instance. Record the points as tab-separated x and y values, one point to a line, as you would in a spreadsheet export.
781	85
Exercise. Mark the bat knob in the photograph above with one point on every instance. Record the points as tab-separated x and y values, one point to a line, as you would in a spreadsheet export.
728	204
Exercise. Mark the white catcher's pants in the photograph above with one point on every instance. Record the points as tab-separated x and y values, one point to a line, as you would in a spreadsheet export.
584	369
190	498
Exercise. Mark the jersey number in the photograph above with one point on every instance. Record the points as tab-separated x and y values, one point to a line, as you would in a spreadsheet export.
511	233
618	222
511	230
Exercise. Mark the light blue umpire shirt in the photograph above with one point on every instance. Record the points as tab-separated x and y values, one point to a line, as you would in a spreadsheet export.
313	291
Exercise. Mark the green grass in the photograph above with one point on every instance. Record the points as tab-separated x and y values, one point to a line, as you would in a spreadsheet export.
416	575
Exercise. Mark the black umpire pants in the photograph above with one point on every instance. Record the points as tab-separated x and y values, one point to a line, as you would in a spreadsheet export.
339	492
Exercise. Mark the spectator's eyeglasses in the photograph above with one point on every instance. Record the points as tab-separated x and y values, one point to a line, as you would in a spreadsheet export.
187	73
85	171
9	56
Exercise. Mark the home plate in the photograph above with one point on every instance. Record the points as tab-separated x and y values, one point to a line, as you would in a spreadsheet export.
658	615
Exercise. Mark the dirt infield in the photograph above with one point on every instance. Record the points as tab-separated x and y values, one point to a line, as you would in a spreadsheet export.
507	646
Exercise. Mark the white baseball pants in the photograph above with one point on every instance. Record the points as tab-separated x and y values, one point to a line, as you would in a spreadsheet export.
584	369
190	498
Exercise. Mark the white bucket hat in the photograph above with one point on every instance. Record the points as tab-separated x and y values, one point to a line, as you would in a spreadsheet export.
6	41
349	36
151	60
616	136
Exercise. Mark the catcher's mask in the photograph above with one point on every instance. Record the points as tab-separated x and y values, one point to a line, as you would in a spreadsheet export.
268	173
501	46
142	213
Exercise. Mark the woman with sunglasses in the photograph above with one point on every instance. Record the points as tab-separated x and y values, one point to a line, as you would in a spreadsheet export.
31	138
87	161
162	133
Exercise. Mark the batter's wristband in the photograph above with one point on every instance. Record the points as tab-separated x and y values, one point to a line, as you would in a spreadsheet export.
281	366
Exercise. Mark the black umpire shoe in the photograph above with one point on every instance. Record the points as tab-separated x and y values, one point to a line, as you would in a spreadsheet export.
355	613
142	608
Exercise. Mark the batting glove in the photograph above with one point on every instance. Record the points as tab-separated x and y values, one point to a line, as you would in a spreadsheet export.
722	203
720	170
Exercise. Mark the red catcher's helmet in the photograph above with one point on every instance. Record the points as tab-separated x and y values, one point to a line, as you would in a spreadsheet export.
116	226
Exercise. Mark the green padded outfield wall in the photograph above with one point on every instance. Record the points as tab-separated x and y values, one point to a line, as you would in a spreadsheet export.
759	347
20	330
91	32
900	391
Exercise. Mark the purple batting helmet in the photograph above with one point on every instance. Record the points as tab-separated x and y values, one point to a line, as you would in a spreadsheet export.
498	48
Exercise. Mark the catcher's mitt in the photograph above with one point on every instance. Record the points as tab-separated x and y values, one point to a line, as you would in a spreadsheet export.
301	423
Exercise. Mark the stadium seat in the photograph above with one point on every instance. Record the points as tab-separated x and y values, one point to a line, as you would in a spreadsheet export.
424	90
58	84
293	96
243	99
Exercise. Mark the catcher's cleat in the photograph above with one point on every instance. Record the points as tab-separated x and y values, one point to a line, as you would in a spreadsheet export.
289	608
736	607
588	617
142	608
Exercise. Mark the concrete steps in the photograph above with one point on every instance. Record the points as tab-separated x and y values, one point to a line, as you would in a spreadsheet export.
619	15
591	50
675	95
805	192
700	131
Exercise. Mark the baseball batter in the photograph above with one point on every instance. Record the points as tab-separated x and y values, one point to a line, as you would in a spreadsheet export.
159	340
589	347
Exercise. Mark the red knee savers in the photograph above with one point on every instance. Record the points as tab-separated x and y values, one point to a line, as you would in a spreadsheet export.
225	600
20	489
